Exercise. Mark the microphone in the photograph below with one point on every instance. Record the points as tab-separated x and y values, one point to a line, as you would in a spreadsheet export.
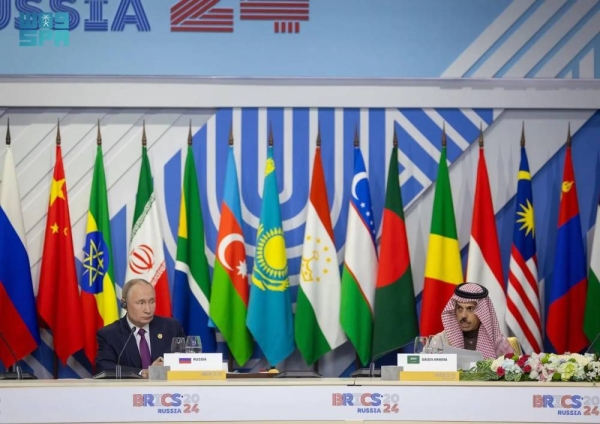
17	374
592	343
118	367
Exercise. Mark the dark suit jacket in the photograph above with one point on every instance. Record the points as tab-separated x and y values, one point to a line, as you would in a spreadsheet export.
113	337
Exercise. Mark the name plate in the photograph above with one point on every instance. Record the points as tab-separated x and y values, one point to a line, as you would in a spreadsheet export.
194	361
196	375
428	362
429	376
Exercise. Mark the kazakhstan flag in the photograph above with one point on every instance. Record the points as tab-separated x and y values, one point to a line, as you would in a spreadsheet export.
270	308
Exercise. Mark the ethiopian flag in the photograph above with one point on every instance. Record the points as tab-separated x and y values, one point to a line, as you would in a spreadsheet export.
98	298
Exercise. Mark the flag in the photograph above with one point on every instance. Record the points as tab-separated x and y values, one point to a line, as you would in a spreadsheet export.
317	325
591	322
396	322
359	275
58	302
270	307
443	268
484	263
18	318
229	297
146	255
567	291
98	297
522	295
191	291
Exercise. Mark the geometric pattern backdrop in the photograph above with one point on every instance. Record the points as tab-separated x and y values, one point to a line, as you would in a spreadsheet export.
294	130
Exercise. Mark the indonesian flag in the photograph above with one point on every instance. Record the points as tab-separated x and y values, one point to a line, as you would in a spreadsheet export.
484	264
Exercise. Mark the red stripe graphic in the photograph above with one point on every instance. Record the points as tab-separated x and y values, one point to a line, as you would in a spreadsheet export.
295	5
276	11
201	16
273	18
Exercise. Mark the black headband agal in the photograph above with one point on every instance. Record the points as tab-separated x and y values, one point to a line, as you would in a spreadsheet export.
468	295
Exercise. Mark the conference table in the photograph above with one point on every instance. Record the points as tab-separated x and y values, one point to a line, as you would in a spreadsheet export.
296	400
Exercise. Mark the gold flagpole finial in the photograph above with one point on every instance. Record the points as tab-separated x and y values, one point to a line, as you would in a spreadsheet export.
190	138
99	136
444	134
356	140
569	136
480	135
144	140
58	133
395	139
270	135
231	134
523	134
8	131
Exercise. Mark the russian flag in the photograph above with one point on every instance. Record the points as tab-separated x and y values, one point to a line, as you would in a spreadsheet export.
567	291
185	360
18	319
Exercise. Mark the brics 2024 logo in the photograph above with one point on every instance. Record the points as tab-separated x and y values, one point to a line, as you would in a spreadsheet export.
569	404
206	16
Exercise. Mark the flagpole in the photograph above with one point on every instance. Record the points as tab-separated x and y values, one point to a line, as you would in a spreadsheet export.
54	355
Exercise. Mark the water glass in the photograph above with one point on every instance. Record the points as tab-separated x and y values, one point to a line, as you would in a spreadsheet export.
178	345
420	344
435	345
193	344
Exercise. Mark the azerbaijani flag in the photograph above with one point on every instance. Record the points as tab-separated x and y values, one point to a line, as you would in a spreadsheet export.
229	296
443	268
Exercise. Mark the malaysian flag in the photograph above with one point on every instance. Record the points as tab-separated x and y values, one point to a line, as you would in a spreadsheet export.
522	295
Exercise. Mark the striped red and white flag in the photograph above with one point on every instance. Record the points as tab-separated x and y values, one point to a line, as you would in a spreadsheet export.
484	264
522	303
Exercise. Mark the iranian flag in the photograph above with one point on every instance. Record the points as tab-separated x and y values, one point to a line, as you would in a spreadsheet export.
318	328
146	255
360	265
484	264
591	323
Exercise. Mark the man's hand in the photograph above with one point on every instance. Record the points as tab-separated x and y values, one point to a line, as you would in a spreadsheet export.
144	374
159	361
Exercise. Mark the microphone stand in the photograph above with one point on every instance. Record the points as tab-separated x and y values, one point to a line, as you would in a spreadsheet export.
17	373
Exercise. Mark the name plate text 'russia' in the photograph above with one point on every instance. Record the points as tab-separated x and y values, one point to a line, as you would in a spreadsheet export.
194	361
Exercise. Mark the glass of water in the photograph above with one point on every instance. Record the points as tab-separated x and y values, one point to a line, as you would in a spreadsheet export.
420	344
435	345
178	345
193	344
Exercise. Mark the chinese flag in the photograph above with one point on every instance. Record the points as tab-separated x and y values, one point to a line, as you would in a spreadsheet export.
58	298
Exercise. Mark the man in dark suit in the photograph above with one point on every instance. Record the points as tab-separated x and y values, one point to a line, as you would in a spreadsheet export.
151	337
